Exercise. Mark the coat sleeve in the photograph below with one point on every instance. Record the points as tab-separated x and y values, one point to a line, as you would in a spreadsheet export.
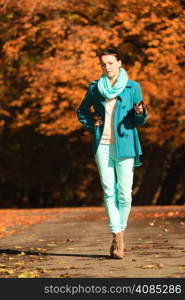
139	119
83	111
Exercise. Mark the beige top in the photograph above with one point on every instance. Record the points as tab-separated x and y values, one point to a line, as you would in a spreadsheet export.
108	131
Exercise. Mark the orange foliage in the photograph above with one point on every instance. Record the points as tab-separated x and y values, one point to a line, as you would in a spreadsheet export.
48	58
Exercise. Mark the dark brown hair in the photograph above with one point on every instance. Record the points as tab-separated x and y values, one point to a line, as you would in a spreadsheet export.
110	51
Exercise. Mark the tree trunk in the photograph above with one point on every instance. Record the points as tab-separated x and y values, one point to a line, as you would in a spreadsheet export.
152	178
174	174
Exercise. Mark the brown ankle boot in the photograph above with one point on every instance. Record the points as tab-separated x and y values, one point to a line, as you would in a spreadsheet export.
117	249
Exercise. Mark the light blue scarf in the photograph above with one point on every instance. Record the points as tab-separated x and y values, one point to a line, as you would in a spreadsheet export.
109	91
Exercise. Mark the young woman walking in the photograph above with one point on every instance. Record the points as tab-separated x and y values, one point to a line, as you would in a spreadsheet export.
119	109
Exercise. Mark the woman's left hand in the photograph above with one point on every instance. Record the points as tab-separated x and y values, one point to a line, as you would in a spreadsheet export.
138	107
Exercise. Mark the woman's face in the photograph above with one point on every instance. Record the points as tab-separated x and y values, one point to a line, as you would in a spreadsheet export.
110	65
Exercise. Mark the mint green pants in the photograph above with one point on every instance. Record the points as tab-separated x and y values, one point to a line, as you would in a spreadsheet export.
116	177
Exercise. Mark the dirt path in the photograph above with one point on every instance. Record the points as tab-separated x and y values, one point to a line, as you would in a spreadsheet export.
76	244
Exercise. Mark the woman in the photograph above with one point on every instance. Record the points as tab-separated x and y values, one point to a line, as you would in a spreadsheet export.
118	108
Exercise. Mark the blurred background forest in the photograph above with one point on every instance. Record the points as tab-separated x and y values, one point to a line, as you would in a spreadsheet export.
47	60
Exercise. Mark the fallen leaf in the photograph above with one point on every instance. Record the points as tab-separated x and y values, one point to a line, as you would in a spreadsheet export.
68	267
21	254
148	259
151	266
148	242
66	275
151	224
10	258
69	240
40	269
6	271
181	267
19	263
33	274
41	249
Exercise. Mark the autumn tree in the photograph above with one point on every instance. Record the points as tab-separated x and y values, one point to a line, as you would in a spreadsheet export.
49	56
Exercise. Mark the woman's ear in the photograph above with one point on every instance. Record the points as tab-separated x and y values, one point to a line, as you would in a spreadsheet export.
119	61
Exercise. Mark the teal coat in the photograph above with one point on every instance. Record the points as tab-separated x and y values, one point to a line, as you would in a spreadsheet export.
125	119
